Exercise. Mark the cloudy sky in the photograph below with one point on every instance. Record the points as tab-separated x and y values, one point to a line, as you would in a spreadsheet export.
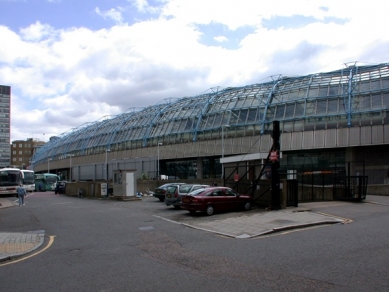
71	62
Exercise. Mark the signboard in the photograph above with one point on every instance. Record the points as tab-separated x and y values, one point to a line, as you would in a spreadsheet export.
236	176
274	155
104	189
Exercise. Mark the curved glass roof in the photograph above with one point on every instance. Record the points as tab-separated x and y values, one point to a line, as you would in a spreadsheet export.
343	96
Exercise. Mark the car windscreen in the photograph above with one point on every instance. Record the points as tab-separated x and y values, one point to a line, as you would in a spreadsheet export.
185	188
196	192
51	179
29	178
171	189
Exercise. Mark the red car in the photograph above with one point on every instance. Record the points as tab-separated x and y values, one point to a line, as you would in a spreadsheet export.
215	199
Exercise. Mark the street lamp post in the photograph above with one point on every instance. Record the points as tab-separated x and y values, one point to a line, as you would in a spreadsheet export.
48	164
70	167
159	144
223	126
116	161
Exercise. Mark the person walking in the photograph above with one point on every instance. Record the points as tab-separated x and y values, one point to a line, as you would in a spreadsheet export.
21	193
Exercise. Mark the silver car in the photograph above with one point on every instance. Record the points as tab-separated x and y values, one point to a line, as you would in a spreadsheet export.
173	195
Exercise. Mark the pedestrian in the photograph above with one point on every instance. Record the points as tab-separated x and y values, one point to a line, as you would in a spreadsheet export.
214	184
21	193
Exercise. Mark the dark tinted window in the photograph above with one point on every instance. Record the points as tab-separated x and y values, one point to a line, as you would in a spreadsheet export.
217	193
230	193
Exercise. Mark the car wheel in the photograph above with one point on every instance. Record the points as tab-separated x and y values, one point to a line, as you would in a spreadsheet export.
247	206
161	199
209	210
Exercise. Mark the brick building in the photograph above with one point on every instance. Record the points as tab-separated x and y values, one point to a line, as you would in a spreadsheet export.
22	152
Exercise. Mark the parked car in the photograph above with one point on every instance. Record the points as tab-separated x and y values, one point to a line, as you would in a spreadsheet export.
160	192
60	187
215	199
173	196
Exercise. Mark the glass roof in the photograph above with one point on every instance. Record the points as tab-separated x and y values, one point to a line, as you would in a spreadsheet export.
345	92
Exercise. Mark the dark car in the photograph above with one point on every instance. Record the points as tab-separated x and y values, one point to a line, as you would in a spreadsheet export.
173	197
160	192
60	187
211	200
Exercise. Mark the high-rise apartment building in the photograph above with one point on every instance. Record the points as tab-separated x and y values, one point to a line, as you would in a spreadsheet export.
5	125
22	152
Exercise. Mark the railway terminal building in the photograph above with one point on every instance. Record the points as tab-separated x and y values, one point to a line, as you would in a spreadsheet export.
327	121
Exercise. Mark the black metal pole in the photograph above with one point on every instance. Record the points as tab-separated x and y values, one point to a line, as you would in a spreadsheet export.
275	167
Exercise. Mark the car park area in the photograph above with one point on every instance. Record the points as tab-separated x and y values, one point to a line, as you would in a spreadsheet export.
239	223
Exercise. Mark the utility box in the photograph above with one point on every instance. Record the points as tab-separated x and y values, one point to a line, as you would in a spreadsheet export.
124	183
104	190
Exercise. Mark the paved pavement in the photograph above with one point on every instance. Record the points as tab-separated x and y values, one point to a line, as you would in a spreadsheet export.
13	245
16	244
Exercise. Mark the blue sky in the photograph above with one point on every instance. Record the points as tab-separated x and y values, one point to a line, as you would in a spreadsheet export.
73	62
72	13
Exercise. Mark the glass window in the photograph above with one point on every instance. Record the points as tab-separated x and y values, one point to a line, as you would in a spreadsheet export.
293	95
333	106
231	193
302	93
321	107
385	100
323	91
289	112
312	92
310	108
376	102
299	110
243	116
252	115
334	89
280	111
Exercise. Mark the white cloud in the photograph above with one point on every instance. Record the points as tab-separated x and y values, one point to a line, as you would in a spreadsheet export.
112	14
143	6
36	32
221	39
62	78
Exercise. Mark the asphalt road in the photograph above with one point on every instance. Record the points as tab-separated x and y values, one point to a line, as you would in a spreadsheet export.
105	245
